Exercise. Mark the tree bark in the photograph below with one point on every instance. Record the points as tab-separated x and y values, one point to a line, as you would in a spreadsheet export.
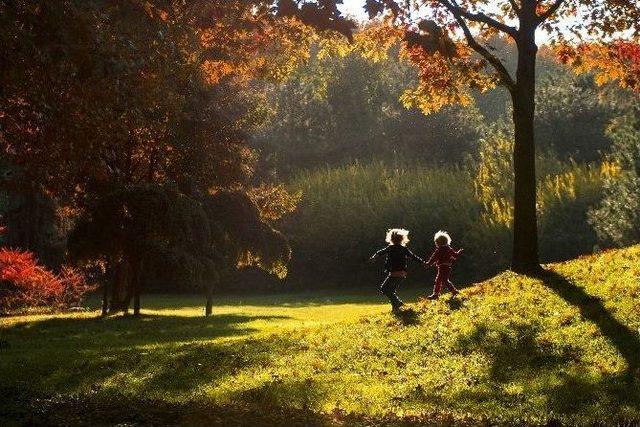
525	228
120	289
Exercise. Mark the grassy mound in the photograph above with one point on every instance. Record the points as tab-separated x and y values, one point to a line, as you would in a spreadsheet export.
563	347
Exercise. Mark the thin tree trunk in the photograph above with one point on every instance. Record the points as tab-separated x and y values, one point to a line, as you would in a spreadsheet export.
525	228
109	276
209	307
136	289
105	298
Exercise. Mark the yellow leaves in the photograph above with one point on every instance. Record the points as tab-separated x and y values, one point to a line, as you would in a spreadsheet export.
430	100
494	177
274	201
372	43
376	40
609	169
277	268
253	48
334	47
563	185
568	185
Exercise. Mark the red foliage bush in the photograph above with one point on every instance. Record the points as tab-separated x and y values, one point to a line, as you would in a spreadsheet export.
25	284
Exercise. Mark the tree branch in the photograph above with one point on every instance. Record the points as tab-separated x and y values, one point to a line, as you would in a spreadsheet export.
478	17
506	78
552	9
515	7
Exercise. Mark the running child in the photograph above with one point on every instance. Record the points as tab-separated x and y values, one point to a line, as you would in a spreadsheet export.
443	258
396	264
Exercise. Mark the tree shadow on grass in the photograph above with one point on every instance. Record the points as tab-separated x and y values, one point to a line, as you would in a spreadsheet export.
513	352
141	330
522	367
623	338
258	407
168	352
525	365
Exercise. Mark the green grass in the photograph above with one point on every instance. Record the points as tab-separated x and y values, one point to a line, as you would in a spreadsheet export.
514	350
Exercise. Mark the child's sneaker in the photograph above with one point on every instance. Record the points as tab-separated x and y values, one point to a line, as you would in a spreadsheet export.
433	296
455	293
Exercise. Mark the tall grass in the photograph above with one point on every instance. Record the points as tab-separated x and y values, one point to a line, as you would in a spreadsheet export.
345	211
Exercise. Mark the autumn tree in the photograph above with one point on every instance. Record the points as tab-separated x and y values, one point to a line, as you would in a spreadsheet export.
126	114
448	40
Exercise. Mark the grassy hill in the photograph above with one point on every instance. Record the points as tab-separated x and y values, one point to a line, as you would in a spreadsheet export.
563	348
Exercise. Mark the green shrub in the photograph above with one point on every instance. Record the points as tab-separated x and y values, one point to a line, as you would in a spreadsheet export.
617	219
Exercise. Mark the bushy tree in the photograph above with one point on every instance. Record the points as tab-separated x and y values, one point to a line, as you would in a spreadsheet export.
617	219
126	114
572	116
157	228
344	106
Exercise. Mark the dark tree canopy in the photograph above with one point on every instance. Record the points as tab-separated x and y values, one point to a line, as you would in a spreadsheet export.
126	115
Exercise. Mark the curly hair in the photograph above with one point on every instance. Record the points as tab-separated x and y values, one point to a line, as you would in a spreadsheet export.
442	238
397	236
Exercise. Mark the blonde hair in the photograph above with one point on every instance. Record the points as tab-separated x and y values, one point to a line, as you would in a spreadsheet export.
397	236
442	238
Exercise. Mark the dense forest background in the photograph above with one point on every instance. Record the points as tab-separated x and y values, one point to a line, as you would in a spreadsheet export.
337	138
338	133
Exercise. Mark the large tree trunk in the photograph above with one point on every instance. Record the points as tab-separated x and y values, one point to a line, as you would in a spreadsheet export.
525	228
120	289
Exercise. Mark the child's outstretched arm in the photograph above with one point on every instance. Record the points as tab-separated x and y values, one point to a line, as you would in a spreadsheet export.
378	253
414	256
457	253
432	258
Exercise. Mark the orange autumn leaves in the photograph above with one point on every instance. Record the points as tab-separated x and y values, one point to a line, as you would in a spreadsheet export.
618	61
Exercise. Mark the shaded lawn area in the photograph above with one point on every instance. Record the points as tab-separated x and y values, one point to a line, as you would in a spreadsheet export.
561	348
165	356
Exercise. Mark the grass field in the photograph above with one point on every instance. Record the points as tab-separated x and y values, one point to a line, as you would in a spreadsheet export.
562	348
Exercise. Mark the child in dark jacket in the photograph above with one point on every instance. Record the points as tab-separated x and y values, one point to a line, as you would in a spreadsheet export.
443	258
395	265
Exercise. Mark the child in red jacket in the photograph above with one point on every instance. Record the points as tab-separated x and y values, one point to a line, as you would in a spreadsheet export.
443	258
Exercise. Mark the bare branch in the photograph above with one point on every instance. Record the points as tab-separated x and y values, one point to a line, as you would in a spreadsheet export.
506	78
552	9
478	17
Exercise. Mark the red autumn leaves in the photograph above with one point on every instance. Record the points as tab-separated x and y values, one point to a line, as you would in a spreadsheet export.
24	283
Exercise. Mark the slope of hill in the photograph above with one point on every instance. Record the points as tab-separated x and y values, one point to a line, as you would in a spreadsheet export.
562	348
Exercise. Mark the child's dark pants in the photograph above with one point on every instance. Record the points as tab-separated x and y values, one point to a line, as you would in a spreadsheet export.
389	287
